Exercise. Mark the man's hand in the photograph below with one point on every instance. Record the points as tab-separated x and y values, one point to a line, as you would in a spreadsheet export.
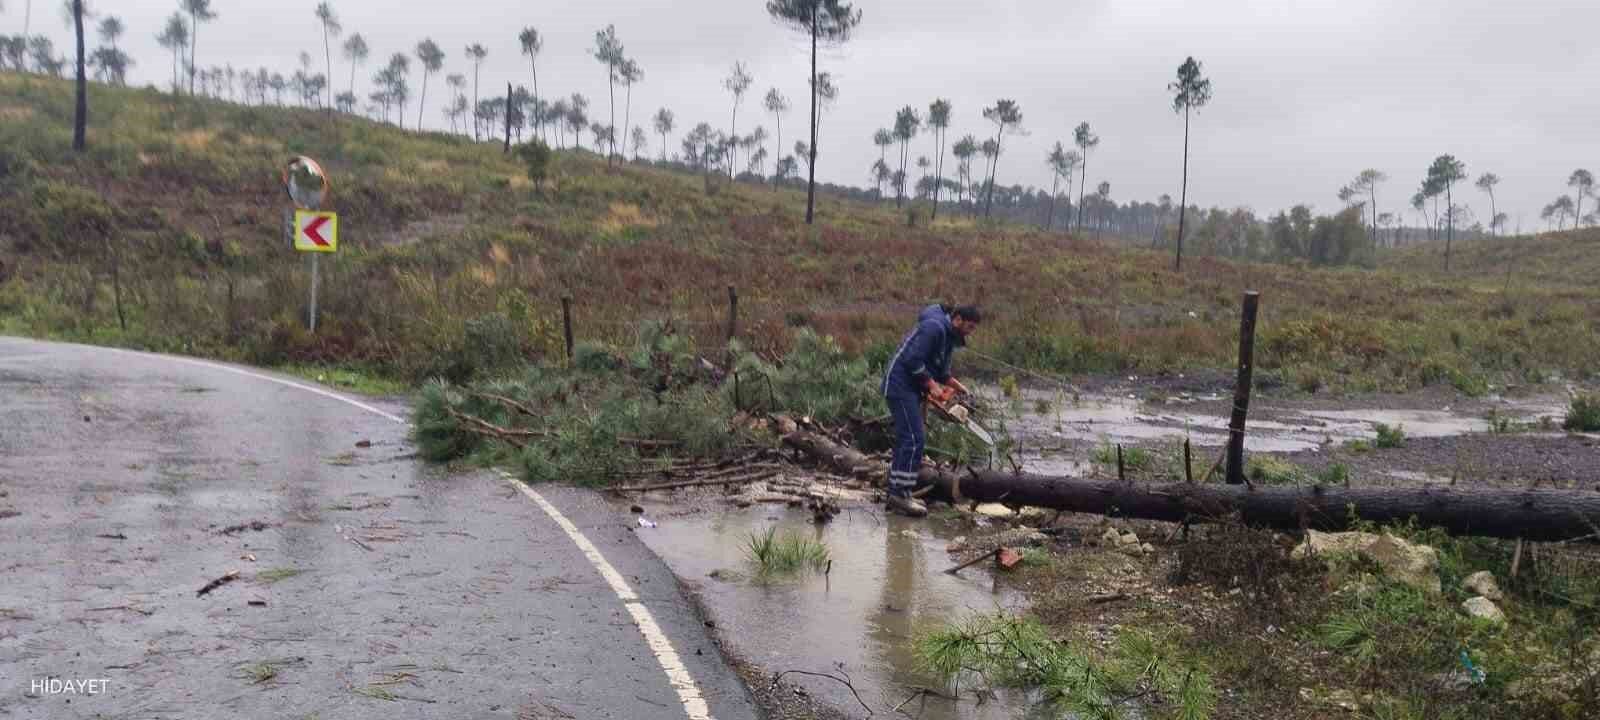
941	394
959	388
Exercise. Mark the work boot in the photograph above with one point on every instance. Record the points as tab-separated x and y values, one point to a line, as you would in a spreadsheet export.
903	503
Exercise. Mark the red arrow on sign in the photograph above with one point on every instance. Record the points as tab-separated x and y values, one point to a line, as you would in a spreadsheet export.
312	229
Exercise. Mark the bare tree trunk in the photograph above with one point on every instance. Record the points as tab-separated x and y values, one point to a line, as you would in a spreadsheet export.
508	124
1183	196
811	167
611	83
327	54
1544	515
538	122
1055	189
422	100
994	169
938	174
1083	183
194	41
80	117
1494	212
1450	218
900	187
627	117
477	69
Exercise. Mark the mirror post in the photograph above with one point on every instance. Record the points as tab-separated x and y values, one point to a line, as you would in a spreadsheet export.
313	310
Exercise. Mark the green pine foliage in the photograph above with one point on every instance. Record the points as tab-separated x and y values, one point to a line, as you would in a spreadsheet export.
1143	674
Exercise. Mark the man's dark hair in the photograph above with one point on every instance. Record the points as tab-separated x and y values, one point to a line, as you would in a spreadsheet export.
969	313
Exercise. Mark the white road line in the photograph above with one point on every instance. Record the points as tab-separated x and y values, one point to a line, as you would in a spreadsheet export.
694	705
666	655
268	378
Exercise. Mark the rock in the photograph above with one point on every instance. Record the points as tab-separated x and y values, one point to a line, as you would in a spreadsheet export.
1035	515
1342	699
1008	558
1127	538
995	510
1147	548
1131	549
1414	565
1111	538
1484	609
957	545
1482	582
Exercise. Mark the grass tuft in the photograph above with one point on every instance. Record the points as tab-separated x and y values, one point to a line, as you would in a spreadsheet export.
775	555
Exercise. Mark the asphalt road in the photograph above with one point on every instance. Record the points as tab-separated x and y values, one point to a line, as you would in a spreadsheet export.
374	585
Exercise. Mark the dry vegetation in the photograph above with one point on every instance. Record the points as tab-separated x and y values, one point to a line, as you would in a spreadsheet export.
167	235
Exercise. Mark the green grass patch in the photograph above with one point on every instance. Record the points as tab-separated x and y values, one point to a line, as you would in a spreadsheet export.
1335	474
1133	458
775	554
268	577
1269	470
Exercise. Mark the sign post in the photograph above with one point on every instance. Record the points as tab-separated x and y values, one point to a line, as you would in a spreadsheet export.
313	231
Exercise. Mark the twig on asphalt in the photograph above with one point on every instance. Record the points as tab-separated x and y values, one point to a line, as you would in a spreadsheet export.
219	582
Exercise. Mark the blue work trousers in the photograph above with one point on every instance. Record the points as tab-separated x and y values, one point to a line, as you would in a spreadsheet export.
910	439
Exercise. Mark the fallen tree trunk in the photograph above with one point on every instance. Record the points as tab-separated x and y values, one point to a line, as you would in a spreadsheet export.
1546	515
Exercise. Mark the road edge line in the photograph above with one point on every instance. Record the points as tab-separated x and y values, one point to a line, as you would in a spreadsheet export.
667	657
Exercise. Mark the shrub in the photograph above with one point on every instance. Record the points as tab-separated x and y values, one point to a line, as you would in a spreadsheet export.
490	342
1390	436
1583	414
535	155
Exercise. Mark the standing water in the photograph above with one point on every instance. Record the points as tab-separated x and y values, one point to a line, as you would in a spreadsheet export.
886	586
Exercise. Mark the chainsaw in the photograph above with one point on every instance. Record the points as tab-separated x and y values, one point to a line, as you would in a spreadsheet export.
954	412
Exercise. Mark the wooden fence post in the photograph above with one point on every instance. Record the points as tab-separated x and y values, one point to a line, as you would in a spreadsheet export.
566	324
1241	388
733	313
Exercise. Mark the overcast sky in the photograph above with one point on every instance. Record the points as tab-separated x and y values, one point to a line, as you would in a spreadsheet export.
1307	94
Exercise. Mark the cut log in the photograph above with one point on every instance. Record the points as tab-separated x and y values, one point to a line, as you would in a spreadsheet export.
1545	515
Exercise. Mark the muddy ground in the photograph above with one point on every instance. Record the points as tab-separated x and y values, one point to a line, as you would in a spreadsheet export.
1074	583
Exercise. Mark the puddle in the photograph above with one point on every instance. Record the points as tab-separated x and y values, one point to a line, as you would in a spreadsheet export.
886	585
1418	477
1045	436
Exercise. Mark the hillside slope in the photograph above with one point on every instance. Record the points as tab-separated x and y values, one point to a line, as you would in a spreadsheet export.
453	262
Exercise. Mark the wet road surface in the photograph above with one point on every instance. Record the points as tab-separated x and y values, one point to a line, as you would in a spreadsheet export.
368	583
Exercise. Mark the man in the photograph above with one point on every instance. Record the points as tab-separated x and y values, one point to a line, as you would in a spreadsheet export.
919	370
